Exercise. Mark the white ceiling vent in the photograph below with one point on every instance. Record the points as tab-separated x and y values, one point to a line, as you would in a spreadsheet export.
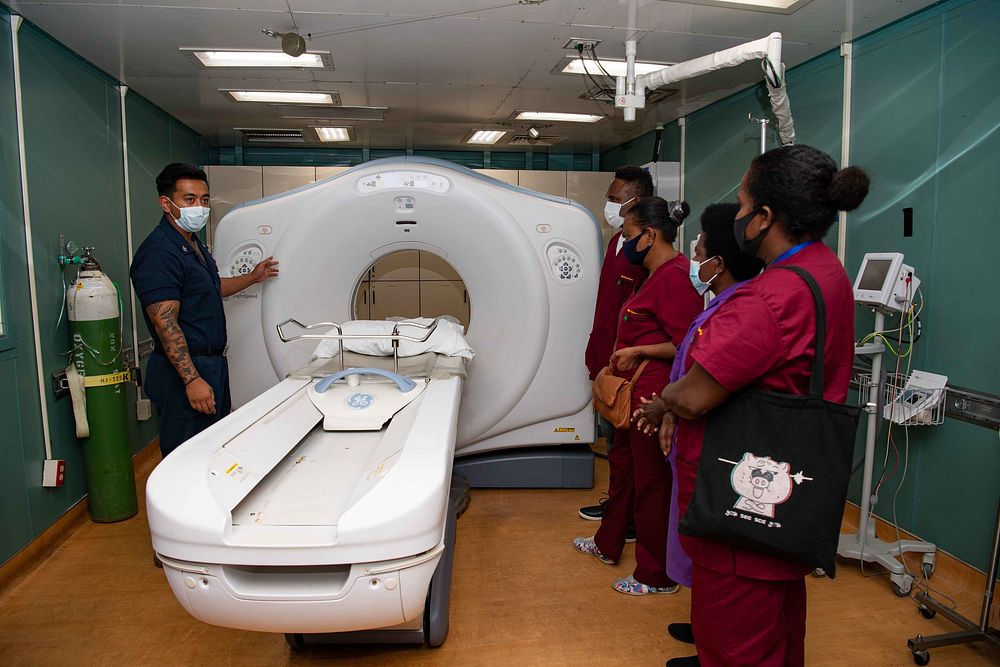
608	95
525	140
260	135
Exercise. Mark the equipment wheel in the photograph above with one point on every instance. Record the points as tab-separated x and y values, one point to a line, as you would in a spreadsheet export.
903	589
819	573
927	569
927	612
921	657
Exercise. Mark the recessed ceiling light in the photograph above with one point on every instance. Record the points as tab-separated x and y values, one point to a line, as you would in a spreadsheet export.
329	134
558	116
280	96
484	136
251	59
613	67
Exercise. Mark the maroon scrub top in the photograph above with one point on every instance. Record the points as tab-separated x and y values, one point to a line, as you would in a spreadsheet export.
765	336
619	280
660	312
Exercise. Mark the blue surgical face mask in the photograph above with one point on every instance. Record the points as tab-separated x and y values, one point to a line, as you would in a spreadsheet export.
695	274
192	218
632	253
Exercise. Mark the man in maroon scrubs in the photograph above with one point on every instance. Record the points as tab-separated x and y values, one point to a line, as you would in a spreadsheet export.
619	280
748	608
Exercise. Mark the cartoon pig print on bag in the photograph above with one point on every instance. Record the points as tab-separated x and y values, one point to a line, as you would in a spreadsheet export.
761	483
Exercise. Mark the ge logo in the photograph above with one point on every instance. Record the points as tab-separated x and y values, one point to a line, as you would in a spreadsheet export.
360	401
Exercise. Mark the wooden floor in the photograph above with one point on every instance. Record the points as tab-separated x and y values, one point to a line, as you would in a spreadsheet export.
521	596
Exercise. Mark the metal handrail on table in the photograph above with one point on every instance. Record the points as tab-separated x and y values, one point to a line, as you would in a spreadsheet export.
395	336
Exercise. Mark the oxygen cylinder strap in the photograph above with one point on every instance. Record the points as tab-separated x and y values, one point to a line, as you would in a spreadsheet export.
78	397
107	380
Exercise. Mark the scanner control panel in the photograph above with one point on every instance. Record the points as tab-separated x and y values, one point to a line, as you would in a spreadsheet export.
564	263
244	258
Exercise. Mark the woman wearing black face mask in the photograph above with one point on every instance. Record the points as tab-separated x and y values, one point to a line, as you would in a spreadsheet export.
748	608
650	324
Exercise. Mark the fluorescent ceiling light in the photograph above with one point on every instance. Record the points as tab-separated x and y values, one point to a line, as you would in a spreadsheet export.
558	116
485	136
771	6
247	59
613	67
333	133
280	96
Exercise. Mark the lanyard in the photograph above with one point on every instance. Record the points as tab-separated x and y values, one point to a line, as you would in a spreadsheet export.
791	251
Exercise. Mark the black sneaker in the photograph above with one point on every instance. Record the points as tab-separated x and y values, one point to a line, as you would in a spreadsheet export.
681	632
686	661
593	512
630	535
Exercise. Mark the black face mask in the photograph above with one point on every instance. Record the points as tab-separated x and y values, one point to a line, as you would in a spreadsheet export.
739	229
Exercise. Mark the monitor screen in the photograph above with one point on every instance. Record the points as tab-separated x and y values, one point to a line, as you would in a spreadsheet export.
875	273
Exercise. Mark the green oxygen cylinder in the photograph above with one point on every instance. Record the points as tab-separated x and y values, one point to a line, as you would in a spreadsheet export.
95	325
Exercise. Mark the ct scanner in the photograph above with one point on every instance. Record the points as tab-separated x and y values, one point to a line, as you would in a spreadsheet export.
287	516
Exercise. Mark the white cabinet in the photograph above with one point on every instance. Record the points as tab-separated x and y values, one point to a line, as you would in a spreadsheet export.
327	172
445	297
402	265
283	179
505	175
394	298
231	186
549	182
589	188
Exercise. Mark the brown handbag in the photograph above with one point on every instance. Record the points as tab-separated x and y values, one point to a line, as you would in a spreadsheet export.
613	395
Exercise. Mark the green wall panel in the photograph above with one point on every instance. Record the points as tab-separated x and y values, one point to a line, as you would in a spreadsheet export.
154	140
20	414
75	181
926	104
639	150
75	172
720	144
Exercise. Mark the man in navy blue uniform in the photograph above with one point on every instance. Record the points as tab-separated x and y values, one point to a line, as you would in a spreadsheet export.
181	292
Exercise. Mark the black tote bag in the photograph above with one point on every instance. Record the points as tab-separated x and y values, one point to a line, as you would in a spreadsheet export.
774	468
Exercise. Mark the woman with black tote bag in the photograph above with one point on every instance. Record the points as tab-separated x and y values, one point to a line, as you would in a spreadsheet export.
756	356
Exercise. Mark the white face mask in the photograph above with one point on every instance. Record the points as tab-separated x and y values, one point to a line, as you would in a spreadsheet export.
192	218
612	213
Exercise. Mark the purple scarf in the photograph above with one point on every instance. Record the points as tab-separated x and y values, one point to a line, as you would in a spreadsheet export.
678	562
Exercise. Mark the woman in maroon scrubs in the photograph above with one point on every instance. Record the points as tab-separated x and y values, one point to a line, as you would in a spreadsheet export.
748	608
650	324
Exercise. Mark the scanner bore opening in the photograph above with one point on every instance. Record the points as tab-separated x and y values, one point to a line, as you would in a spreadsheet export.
411	283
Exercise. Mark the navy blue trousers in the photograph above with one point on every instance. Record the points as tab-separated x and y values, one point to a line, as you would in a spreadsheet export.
178	420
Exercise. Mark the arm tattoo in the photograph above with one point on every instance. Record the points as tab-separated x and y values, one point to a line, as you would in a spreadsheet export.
163	315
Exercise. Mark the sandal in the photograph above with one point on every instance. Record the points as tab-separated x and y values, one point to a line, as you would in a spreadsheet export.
629	586
586	545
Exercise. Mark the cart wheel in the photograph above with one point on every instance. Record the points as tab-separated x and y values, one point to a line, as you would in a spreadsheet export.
900	590
819	572
921	657
927	612
295	640
927	569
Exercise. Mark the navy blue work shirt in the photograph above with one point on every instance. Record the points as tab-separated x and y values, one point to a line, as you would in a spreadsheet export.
167	268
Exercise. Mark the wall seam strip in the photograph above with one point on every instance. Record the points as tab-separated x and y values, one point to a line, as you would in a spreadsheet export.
15	24
123	90
847	52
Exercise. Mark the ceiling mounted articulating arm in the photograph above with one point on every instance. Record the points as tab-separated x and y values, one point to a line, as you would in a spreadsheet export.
630	91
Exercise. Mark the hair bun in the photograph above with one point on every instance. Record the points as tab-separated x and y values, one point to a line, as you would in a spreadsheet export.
848	188
679	211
